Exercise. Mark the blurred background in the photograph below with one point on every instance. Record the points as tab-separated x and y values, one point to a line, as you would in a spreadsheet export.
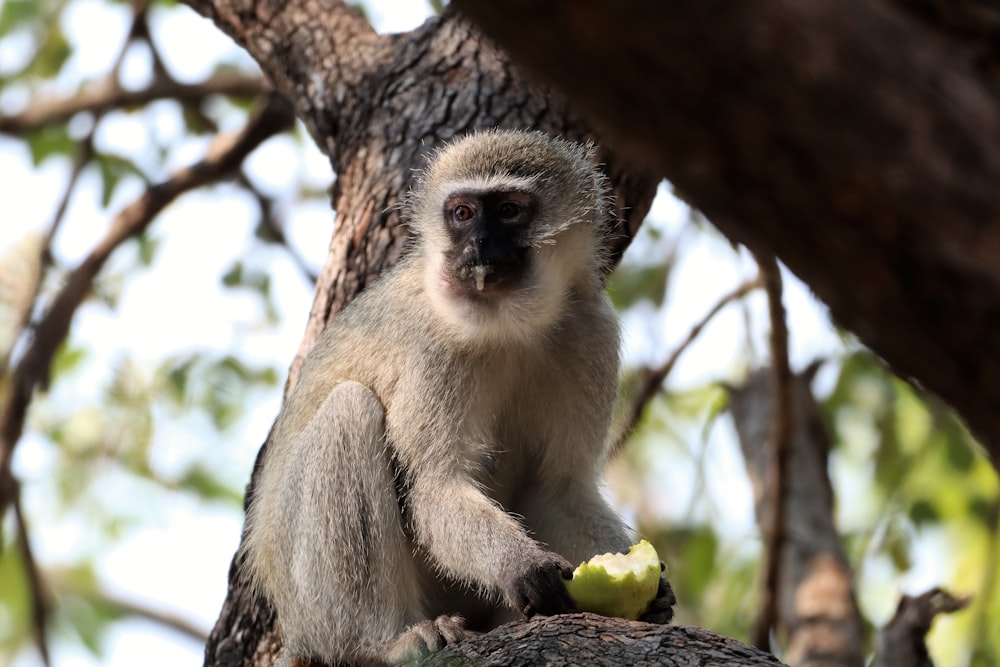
130	472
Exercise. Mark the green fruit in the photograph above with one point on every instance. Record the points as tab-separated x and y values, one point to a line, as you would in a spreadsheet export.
617	584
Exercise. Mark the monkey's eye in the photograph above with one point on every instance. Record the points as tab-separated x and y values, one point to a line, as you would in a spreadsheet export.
462	213
508	210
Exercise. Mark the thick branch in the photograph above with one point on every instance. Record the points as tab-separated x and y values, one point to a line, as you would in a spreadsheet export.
315	53
815	602
852	139
596	641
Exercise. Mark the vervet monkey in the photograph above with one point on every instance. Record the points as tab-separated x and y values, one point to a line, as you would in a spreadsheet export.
436	466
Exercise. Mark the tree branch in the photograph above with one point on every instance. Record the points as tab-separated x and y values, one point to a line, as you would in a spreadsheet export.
223	157
598	641
815	604
902	642
781	433
172	621
26	302
653	379
838	135
316	54
109	95
40	607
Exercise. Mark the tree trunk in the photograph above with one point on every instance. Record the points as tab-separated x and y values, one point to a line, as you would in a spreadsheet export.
377	105
857	141
816	609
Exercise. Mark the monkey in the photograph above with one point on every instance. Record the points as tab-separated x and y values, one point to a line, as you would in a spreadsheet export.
435	470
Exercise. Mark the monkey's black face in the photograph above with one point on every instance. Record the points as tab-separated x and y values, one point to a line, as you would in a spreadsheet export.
489	240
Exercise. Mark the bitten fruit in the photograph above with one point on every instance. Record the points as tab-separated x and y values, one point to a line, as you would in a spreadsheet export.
620	585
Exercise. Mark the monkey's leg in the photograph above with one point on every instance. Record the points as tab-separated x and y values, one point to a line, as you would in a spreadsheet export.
352	584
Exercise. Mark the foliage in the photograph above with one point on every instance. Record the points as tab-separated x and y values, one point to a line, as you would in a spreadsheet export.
140	422
124	437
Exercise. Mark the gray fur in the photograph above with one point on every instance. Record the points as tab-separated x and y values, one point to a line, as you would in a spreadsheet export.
439	457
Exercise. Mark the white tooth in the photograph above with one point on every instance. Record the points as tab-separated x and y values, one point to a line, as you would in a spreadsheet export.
479	273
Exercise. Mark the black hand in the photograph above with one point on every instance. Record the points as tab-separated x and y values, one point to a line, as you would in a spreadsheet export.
661	609
541	588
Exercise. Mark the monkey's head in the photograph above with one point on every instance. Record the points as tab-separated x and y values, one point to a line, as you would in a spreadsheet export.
510	224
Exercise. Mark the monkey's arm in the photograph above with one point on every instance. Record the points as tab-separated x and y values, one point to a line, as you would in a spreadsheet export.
473	540
572	517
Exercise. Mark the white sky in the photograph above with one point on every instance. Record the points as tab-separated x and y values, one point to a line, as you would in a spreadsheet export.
178	561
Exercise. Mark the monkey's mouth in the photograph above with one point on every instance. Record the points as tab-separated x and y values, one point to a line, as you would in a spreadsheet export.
477	273
481	277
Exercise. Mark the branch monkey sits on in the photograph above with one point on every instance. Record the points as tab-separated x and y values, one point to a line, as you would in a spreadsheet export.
436	468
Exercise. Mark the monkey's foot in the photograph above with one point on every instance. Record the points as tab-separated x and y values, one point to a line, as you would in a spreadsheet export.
426	637
661	609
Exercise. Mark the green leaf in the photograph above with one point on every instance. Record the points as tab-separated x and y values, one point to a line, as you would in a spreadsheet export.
148	245
234	276
984	511
696	566
202	482
14	600
67	358
54	52
177	375
923	512
49	140
630	284
113	168
90	619
898	545
16	13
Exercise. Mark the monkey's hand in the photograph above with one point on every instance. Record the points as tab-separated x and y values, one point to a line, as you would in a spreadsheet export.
661	609
539	587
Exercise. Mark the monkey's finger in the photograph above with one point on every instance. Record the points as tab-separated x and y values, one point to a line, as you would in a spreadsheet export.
550	594
665	592
661	609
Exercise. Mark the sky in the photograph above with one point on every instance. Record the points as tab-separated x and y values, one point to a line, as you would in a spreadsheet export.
178	561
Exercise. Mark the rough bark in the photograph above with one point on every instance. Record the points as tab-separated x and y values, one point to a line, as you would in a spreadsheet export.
858	141
816	607
596	641
377	105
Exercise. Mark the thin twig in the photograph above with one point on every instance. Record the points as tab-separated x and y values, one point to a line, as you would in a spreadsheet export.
272	116
23	315
39	599
781	433
169	620
275	229
652	379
